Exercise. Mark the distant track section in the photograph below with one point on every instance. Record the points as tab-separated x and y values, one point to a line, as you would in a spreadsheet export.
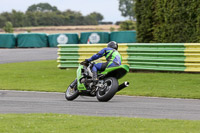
27	54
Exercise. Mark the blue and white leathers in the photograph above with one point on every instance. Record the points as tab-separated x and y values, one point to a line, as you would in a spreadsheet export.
111	60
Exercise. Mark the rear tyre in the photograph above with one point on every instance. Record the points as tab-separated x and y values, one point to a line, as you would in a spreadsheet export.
106	93
71	92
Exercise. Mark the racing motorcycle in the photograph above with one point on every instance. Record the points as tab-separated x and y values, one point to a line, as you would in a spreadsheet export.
106	86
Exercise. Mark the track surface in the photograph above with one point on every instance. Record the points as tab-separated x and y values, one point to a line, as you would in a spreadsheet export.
27	54
42	102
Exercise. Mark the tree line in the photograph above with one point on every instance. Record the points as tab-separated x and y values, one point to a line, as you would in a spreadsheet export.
43	14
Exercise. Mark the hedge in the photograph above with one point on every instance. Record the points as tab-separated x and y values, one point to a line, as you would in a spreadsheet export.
168	21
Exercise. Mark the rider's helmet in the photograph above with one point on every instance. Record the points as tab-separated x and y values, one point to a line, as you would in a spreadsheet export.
113	45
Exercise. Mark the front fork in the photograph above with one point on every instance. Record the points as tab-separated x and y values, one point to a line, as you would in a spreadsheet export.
73	83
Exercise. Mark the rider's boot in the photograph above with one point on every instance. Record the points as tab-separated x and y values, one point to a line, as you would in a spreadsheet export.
95	79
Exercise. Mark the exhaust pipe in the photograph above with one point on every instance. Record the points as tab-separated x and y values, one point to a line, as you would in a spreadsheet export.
123	85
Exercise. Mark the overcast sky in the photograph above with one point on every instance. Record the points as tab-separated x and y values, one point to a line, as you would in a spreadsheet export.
108	8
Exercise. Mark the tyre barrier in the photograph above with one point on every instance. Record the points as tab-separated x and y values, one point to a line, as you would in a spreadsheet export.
139	56
123	36
94	37
64	38
7	40
28	40
38	40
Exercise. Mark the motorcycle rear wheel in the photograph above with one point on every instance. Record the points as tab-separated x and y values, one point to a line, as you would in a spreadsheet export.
111	87
71	93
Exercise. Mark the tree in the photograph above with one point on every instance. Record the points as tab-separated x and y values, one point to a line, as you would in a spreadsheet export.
42	7
127	8
96	16
31	19
18	18
7	16
2	21
43	14
93	19
73	18
8	28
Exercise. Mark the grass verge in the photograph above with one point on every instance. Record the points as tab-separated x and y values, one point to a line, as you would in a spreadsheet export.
46	123
45	76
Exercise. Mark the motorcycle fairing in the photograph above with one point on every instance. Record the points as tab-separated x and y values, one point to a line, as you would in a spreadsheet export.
118	71
80	86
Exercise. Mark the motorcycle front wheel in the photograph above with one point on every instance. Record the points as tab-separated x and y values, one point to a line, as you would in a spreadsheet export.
71	92
109	90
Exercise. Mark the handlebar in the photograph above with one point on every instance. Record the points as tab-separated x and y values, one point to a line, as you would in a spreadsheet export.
84	63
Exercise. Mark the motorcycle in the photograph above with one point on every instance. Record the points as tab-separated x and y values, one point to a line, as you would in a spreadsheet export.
106	86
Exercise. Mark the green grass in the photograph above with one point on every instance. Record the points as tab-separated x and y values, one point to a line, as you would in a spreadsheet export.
45	76
60	123
35	76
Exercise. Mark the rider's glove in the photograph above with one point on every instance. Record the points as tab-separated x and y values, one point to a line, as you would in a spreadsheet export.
87	61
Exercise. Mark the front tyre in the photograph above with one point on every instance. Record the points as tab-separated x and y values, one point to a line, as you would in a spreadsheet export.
109	90
71	92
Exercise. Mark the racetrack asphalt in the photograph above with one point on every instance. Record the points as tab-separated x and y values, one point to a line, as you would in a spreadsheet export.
119	106
128	106
27	54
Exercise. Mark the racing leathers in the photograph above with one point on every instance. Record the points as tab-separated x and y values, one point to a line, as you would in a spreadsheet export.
113	58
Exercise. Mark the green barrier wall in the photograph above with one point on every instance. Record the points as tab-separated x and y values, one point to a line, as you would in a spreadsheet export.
168	57
65	38
32	40
7	40
161	57
94	37
123	36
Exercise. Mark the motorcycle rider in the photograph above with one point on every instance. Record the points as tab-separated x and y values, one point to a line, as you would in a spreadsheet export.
113	58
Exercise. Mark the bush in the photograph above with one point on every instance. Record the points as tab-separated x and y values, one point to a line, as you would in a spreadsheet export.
112	29
8	28
118	22
28	30
127	25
